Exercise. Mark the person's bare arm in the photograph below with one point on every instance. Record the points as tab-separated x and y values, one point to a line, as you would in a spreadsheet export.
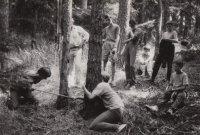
174	38
181	88
88	94
117	33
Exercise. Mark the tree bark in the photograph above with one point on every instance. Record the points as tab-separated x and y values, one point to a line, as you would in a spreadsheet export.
158	27
166	12
123	21
141	13
84	4
93	77
66	27
4	16
33	42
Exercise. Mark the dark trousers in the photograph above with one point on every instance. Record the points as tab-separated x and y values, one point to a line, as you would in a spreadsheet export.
107	120
158	63
16	100
178	99
130	56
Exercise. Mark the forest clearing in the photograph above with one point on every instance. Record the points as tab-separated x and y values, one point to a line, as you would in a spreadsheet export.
47	44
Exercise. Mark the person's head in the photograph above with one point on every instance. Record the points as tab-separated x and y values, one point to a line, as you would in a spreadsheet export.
42	73
178	65
147	49
132	23
105	76
108	19
169	26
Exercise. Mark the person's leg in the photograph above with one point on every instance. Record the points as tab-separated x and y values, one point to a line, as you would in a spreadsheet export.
77	61
149	68
29	98
127	64
71	68
156	67
179	100
169	68
132	52
106	120
14	100
142	68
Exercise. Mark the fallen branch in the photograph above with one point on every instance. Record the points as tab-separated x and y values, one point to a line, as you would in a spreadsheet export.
74	98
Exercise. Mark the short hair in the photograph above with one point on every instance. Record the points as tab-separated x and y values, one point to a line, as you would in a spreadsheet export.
179	63
132	21
106	16
105	76
169	23
44	71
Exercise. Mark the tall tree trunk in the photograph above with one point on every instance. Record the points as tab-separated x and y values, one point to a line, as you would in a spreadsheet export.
158	27
33	42
166	12
66	30
141	13
181	26
4	24
94	60
84	4
123	21
57	22
4	16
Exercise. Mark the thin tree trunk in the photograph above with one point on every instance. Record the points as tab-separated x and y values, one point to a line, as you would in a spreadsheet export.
33	42
166	12
181	26
141	13
66	30
4	16
158	27
4	24
84	4
58	22
94	60
123	21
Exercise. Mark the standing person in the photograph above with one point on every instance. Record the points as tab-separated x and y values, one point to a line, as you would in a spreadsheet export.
166	52
133	37
110	42
21	87
108	119
78	38
176	91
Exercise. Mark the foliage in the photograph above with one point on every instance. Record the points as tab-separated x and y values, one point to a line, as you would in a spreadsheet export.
22	16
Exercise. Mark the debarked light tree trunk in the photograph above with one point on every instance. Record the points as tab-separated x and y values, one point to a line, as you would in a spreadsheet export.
66	30
123	21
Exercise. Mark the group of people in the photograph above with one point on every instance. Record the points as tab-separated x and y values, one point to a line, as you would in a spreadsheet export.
107	121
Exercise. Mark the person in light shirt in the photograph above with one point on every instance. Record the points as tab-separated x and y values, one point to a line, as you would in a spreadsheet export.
107	121
145	62
78	38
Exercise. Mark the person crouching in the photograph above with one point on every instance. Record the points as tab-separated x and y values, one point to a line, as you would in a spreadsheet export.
21	87
114	104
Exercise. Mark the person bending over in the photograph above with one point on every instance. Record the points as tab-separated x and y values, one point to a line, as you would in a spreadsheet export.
108	119
21	87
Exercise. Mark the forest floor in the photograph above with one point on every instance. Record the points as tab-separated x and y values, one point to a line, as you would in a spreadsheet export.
46	120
